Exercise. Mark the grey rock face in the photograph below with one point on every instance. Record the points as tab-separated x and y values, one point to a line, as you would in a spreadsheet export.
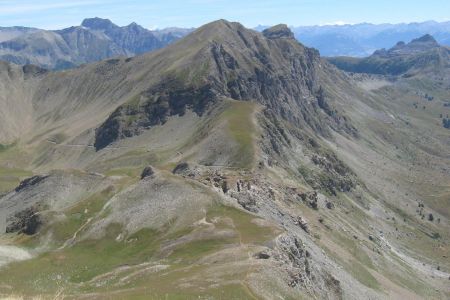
30	182
147	172
98	24
279	31
27	221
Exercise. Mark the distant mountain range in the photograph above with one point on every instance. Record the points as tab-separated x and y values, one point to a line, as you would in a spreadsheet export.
421	54
363	39
94	40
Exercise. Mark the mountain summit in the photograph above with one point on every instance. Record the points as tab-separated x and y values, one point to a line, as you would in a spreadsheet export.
279	31
427	38
419	45
98	24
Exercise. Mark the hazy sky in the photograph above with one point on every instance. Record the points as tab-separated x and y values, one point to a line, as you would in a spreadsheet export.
193	13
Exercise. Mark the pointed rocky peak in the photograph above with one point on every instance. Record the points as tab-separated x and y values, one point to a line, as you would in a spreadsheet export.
135	27
419	45
98	24
427	38
424	43
278	31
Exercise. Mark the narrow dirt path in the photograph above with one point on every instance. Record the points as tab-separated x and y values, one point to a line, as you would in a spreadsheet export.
72	239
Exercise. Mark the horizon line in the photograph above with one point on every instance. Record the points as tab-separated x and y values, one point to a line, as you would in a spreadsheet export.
325	24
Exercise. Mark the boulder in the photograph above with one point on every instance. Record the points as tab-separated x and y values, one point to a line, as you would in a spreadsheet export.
147	172
181	168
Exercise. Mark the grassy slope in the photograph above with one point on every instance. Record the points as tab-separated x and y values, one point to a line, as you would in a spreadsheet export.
12	167
241	127
71	269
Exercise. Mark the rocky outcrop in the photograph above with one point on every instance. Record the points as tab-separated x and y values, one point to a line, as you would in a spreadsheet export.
293	253
279	31
299	265
147	172
181	168
29	182
27	221
310	198
332	175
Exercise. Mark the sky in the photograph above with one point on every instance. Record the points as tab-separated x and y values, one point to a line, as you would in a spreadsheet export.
154	14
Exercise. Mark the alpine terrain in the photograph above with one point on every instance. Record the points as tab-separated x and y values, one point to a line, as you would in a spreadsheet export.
231	164
94	40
